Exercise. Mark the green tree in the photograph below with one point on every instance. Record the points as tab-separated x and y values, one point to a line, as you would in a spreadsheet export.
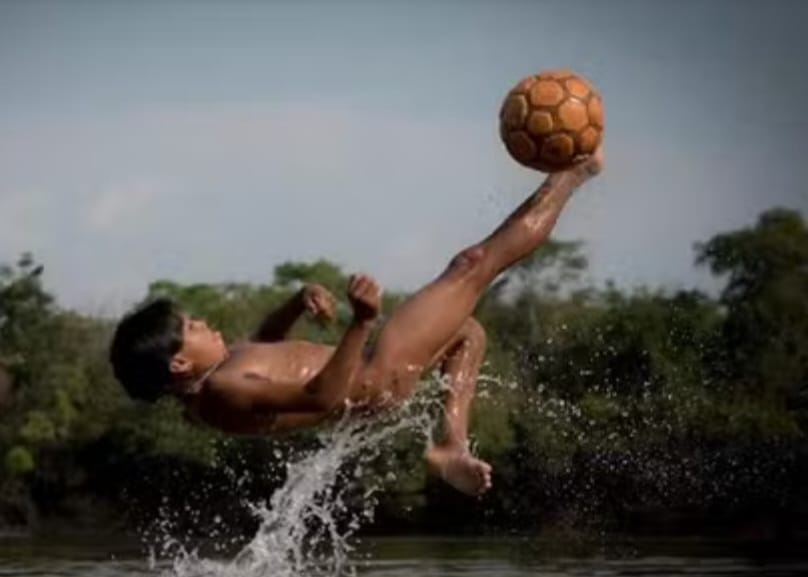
26	313
766	329
292	274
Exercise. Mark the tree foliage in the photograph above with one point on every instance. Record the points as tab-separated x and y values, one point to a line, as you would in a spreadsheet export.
766	330
585	392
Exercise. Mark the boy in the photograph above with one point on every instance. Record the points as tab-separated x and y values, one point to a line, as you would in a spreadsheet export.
269	384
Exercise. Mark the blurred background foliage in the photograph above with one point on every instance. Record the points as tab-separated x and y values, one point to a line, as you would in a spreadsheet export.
648	409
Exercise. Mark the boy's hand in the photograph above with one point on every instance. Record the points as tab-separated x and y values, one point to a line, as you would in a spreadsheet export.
365	296
319	302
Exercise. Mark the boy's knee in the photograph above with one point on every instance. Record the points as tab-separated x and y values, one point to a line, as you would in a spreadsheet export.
474	332
470	261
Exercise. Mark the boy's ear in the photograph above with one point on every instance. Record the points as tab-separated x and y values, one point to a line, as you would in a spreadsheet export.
180	365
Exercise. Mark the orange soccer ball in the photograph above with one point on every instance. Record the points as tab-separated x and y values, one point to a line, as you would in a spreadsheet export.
552	120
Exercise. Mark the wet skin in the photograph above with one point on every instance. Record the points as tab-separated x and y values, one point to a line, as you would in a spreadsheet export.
261	387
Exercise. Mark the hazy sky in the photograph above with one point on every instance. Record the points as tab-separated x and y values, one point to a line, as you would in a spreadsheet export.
210	141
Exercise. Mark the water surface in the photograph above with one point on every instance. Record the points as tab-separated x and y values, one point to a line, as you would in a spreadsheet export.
433	557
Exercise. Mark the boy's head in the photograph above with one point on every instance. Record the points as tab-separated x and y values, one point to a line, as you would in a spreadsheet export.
158	346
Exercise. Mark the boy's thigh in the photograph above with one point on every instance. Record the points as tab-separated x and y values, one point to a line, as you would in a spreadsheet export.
403	350
389	373
393	356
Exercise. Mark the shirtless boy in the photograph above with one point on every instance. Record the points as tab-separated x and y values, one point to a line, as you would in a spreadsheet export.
269	384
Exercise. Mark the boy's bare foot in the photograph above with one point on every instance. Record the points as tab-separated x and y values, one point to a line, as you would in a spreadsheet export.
590	167
573	177
460	469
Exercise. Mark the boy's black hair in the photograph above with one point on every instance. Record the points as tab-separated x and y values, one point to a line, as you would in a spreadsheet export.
141	350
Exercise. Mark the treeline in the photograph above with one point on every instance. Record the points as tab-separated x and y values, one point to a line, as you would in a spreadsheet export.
648	410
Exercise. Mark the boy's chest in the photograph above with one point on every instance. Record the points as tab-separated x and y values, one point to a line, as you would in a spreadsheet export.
288	363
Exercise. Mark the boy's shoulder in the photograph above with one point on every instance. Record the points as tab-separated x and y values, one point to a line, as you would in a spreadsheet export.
232	379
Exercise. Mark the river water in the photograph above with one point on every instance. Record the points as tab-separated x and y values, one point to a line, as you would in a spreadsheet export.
433	557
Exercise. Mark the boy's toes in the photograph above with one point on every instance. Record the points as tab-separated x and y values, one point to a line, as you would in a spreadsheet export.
593	165
462	471
485	477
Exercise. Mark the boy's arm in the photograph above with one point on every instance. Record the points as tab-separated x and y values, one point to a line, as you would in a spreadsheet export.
277	324
332	384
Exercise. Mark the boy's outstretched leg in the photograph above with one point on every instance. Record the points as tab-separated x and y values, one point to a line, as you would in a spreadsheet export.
427	321
449	458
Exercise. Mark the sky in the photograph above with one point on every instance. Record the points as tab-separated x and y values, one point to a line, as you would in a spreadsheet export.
211	141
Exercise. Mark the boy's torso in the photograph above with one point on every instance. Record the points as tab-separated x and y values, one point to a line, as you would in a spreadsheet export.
292	363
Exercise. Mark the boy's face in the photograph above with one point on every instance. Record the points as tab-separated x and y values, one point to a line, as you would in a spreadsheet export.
202	347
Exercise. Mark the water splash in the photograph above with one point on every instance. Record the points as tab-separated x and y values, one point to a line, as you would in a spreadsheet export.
603	455
307	526
589	459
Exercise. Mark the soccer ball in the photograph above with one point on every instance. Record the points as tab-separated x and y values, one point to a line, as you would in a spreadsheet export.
551	121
